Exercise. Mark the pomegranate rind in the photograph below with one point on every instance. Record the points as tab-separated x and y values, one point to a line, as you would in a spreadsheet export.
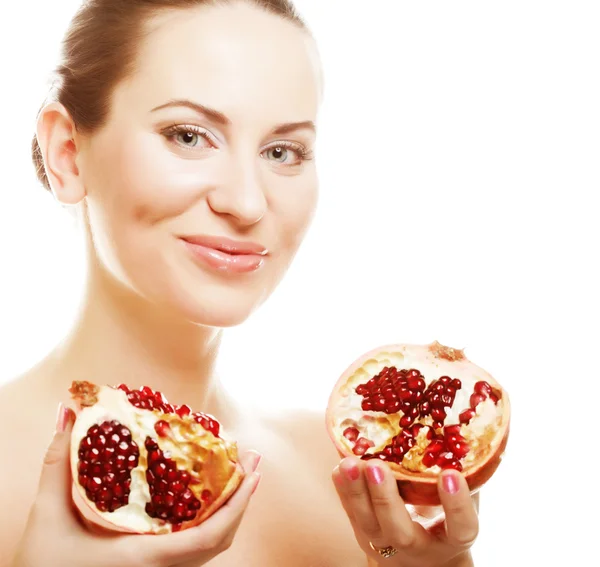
221	472
420	488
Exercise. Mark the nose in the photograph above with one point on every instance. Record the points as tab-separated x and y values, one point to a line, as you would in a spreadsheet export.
241	195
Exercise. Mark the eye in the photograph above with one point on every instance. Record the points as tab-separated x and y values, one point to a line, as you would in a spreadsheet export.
278	154
287	153
189	137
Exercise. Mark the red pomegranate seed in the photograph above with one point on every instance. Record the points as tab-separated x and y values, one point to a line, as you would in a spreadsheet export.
453	464
449	439
482	388
404	394
362	446
351	433
406	421
105	478
452	430
435	446
162	428
475	400
459	448
414	430
444	458
208	422
466	415
183	410
429	459
416	383
147	392
438	414
494	398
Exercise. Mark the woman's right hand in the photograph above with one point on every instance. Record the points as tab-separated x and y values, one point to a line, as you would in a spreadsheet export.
55	536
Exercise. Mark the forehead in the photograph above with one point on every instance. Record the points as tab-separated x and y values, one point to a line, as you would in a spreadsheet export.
237	59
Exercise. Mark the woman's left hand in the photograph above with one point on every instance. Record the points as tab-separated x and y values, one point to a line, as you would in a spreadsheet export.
378	515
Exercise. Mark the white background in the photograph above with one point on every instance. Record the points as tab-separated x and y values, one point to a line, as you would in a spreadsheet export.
458	156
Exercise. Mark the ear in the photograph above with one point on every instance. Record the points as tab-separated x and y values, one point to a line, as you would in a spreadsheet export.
57	137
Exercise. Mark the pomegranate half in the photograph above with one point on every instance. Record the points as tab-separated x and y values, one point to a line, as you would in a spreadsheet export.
421	409
142	465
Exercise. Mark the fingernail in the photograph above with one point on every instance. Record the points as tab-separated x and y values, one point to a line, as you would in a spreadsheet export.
256	462
62	418
450	483
374	474
337	477
352	473
256	482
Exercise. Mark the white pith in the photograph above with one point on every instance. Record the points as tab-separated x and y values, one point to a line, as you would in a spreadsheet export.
380	427
187	441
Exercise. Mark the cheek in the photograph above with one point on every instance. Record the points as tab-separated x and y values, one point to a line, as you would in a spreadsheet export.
295	209
138	182
150	183
135	185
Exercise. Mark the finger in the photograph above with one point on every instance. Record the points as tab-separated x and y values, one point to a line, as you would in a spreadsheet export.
462	524
391	513
206	540
250	461
355	497
54	489
338	481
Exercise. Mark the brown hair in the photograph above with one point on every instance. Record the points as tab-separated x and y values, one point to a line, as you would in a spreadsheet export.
99	50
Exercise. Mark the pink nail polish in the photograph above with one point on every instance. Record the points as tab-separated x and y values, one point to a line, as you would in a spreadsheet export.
450	483
337	479
352	473
374	474
62	418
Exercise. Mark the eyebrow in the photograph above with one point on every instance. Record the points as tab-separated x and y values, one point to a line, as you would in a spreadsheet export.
221	119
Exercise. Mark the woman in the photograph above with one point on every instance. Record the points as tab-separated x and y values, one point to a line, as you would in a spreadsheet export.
183	134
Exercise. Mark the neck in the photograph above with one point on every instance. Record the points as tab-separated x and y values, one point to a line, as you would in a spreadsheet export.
119	337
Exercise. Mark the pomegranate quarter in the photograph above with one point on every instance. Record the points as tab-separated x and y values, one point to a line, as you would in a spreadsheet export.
421	409
142	465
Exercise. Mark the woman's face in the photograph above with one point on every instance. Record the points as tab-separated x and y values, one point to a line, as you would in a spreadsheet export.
202	183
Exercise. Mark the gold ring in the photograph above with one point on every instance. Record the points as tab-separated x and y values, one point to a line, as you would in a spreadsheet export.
385	552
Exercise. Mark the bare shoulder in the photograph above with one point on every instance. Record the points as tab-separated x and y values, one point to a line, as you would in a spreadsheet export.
24	404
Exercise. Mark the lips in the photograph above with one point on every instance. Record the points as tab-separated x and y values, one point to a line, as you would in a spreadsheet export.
232	247
224	255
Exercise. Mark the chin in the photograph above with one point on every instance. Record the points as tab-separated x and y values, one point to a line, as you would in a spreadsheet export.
219	310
